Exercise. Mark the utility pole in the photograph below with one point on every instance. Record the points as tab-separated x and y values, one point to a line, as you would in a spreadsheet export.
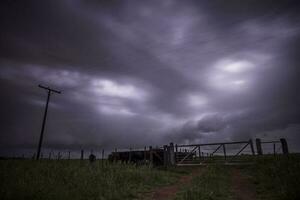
44	119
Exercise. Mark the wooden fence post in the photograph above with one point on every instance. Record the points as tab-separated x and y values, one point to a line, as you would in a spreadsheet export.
176	153
258	146
151	156
82	155
102	156
69	155
172	154
129	156
165	155
224	150
145	154
284	145
115	155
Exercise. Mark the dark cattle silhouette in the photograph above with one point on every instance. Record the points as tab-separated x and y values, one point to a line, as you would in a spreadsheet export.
138	157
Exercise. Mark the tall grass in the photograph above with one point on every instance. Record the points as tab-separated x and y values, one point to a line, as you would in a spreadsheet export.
77	180
277	178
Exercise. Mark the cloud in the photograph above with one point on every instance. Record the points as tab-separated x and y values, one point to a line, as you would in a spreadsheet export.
109	88
137	72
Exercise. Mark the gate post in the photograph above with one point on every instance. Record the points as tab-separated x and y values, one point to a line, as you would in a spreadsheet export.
258	146
284	146
172	154
151	156
251	146
165	155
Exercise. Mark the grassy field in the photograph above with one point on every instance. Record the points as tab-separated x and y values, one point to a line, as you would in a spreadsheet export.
276	178
26	179
270	178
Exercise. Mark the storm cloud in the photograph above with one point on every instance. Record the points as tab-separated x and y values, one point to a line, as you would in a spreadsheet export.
136	73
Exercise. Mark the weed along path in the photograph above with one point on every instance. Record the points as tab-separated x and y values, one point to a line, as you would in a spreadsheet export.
241	187
169	192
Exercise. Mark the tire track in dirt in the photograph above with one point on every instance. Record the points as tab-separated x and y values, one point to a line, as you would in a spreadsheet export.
169	192
242	188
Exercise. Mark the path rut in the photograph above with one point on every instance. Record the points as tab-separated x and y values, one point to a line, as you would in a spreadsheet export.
169	192
242	188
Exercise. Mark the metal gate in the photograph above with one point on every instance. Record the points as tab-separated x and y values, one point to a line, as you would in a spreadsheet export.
193	154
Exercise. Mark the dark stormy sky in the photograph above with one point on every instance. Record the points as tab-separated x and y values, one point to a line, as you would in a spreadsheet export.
135	73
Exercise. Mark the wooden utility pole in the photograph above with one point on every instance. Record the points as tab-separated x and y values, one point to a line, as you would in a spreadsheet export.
44	119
